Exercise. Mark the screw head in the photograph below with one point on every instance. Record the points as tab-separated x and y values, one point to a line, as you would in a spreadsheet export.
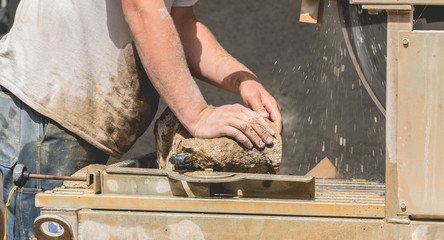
403	206
405	41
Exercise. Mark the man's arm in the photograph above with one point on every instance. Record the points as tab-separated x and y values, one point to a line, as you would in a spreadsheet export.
162	56
211	63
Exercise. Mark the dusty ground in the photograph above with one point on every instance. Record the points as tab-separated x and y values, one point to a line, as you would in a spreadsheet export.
327	112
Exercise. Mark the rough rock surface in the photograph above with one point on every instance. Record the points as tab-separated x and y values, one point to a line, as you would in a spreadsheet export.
220	154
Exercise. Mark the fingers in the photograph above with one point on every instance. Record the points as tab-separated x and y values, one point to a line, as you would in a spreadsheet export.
260	101
239	136
255	103
274	109
262	128
238	122
250	132
254	127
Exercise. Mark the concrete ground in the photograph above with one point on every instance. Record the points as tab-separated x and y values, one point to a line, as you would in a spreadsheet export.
326	110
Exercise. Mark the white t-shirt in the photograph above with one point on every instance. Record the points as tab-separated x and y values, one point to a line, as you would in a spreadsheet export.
74	62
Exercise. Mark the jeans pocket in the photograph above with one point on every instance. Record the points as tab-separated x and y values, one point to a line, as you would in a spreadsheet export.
9	129
25	213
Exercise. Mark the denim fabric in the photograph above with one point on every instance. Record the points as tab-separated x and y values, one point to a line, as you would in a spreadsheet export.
45	147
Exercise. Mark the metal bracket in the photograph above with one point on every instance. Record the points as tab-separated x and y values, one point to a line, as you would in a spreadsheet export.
94	179
399	220
312	11
375	9
156	182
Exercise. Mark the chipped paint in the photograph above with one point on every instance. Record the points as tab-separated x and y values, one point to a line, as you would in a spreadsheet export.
185	229
96	230
162	186
113	185
420	233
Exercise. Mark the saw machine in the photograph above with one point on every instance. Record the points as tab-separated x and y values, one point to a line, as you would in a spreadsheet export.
151	203
404	75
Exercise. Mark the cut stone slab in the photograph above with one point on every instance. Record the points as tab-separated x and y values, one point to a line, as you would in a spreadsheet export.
221	154
324	169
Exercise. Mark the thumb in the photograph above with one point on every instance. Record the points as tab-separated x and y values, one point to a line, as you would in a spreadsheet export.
258	107
255	103
261	110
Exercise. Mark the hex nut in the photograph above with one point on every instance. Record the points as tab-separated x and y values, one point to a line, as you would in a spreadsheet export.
405	41
403	206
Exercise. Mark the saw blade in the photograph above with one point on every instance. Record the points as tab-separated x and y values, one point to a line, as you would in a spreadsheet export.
365	36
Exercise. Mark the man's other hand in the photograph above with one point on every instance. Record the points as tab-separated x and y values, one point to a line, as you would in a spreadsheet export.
257	98
236	121
211	63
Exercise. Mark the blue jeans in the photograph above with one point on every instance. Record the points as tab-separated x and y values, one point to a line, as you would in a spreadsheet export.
43	146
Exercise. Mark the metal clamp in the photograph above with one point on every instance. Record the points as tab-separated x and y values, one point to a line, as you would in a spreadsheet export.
206	177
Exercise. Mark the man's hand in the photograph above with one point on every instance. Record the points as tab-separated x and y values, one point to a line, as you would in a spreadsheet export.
235	121
257	98
211	63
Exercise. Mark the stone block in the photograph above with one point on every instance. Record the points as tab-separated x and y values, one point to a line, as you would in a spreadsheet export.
221	154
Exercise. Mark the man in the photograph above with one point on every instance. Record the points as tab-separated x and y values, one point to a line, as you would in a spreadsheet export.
74	90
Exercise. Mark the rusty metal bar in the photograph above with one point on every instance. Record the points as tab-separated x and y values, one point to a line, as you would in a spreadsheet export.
68	178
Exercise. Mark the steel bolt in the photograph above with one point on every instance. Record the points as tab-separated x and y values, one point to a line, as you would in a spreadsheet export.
403	206
405	41
20	176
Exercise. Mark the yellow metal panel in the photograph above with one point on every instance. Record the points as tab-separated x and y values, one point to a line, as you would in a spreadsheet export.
103	224
210	205
106	224
421	123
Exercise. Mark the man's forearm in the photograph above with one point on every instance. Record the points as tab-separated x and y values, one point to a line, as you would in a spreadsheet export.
207	59
162	56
